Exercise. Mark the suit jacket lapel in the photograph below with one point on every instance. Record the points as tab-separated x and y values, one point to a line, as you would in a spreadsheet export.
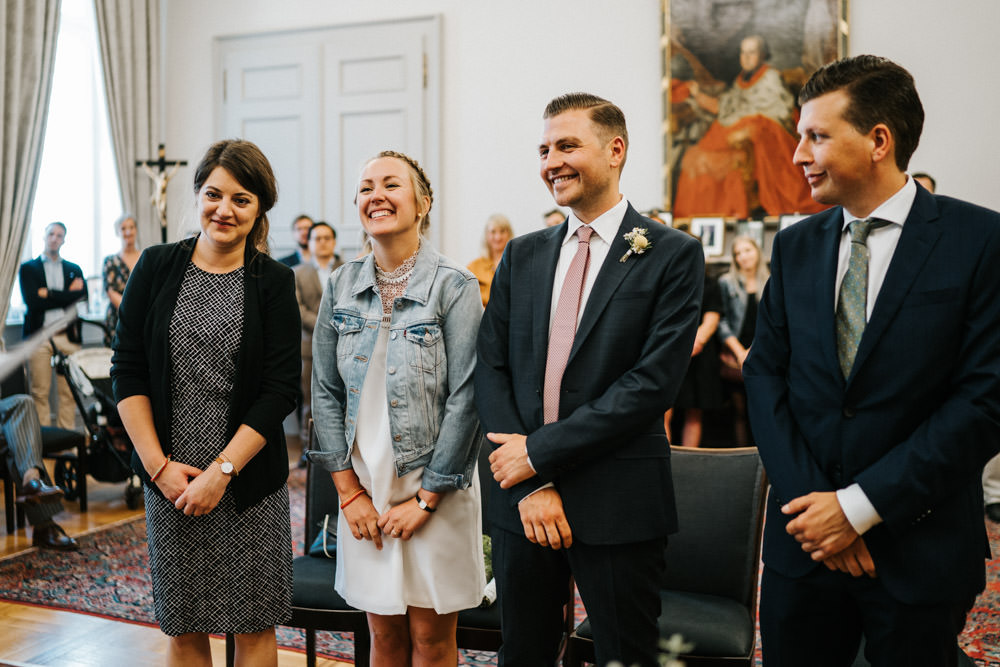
915	244
611	273
826	286
544	257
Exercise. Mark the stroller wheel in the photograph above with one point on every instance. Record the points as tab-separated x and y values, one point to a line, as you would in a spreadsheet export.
66	478
133	496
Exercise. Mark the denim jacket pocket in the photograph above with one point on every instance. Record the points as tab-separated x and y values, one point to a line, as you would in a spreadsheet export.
426	348
347	325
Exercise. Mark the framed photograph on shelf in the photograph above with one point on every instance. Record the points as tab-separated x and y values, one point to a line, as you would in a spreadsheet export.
711	231
754	229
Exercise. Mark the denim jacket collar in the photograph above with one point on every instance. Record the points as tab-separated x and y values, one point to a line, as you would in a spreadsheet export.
421	281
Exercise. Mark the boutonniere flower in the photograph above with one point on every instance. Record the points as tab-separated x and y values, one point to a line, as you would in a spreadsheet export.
637	242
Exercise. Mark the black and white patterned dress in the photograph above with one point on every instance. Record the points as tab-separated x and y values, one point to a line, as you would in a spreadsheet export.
225	571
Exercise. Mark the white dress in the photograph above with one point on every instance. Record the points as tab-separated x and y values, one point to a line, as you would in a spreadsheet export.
441	566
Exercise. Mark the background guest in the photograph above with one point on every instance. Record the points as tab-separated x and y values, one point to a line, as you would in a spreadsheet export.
495	237
553	218
206	368
402	453
36	495
300	229
49	284
117	268
926	180
702	387
740	288
310	280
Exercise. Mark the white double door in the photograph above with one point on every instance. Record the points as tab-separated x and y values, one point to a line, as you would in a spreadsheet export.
320	102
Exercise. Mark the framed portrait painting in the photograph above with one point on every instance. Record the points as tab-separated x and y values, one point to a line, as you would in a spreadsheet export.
732	73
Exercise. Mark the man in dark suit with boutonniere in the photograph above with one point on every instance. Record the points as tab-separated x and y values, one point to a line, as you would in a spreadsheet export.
582	348
874	390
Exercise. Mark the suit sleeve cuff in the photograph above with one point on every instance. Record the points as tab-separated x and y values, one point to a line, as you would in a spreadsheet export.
547	485
860	512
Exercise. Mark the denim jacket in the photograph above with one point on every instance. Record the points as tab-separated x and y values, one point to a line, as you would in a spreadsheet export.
734	307
430	359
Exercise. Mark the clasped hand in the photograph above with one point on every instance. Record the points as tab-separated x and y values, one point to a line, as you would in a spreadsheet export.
824	532
401	521
509	461
193	491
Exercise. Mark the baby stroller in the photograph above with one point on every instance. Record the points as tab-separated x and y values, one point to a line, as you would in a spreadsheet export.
109	449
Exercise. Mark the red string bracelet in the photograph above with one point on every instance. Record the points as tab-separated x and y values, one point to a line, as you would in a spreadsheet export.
160	471
352	498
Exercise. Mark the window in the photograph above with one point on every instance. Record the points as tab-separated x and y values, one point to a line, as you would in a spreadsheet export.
77	181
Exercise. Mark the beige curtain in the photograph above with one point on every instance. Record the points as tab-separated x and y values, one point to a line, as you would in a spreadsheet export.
28	54
129	35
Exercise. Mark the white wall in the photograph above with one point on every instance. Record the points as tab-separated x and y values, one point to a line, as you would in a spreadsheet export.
504	60
950	48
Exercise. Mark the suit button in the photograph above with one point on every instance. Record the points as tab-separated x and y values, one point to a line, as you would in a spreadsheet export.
848	412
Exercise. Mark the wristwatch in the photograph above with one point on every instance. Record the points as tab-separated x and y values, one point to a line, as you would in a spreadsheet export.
422	505
226	466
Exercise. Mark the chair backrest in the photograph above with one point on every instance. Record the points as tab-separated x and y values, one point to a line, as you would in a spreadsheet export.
720	509
321	496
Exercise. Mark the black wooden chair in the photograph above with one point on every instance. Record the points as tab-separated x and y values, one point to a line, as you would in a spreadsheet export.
315	604
54	440
709	594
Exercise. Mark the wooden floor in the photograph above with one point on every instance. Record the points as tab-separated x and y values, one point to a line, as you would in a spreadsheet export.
32	635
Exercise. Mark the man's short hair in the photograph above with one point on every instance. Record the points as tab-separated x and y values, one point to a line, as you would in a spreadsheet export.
57	224
608	118
322	224
301	217
879	91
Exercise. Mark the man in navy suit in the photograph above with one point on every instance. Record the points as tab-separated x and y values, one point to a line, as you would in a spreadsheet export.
50	284
586	488
874	441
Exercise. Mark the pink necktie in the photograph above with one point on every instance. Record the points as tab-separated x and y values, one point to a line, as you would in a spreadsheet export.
564	324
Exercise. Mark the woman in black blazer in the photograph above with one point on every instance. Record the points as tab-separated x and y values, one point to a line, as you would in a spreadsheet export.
206	367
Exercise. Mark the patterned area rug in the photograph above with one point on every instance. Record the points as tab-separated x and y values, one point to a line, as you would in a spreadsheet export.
109	577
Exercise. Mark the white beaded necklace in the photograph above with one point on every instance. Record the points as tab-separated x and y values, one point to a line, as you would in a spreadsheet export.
392	284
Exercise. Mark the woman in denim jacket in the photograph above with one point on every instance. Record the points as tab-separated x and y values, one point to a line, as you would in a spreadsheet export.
740	288
393	360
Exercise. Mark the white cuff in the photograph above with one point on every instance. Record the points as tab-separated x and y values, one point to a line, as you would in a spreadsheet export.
528	459
549	485
860	512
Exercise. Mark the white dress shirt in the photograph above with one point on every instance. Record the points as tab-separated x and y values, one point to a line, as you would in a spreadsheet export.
882	243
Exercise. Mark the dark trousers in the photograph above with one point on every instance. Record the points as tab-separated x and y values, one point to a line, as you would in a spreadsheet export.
21	429
619	585
818	620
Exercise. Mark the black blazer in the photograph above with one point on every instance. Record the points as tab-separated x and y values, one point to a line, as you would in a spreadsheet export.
919	415
268	366
607	455
32	278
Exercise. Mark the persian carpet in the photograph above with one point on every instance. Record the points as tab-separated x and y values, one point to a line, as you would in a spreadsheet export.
109	577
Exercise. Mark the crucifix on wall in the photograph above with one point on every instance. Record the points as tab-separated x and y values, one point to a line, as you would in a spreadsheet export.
160	177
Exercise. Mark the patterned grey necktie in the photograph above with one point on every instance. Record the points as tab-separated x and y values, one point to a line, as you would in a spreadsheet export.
852	306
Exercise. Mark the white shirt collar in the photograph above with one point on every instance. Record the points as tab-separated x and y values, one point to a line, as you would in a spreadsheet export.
895	209
605	225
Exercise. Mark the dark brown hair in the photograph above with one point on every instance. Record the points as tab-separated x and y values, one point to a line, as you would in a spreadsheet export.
247	164
879	91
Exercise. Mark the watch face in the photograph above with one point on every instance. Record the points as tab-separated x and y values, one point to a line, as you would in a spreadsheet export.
227	467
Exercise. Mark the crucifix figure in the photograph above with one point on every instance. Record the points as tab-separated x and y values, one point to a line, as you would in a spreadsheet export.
160	176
